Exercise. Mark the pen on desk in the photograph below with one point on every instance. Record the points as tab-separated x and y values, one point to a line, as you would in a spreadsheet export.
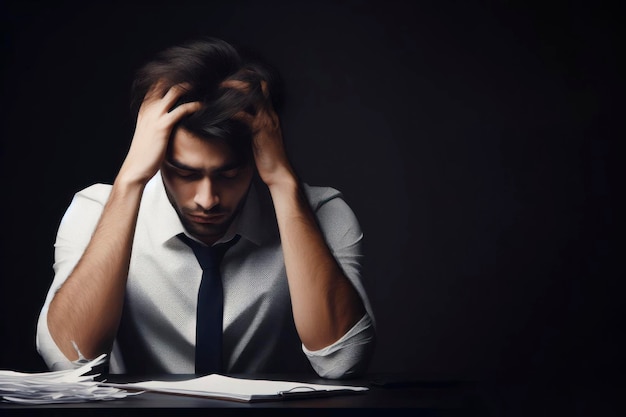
309	392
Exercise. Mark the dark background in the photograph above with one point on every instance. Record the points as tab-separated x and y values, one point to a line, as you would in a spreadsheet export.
478	143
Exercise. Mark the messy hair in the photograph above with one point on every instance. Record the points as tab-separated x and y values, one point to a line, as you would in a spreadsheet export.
204	64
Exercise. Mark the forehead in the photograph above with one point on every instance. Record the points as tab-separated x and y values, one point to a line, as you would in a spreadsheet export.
202	153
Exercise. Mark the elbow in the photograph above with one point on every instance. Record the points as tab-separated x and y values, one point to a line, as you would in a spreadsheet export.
347	361
352	367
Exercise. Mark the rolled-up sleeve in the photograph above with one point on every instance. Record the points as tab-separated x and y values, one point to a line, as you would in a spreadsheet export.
351	354
73	236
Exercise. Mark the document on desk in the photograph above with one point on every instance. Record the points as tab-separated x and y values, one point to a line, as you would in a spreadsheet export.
238	389
68	386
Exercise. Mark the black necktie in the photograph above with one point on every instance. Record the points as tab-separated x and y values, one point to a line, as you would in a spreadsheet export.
210	310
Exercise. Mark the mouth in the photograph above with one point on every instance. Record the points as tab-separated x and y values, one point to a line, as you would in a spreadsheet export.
206	219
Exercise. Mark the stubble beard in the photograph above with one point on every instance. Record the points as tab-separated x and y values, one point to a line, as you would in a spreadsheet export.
208	232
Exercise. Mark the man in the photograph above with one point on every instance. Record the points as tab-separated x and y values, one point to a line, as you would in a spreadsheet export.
207	171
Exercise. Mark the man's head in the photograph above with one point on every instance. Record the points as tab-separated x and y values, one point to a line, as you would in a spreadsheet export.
208	166
206	182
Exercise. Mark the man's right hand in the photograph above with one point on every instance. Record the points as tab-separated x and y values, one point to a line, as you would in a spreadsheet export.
99	278
153	130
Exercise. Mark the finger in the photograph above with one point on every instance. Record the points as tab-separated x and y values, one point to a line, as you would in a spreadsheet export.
174	93
184	109
236	84
245	117
155	91
265	89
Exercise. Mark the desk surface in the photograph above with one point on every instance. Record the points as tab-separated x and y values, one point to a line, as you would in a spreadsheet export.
396	393
389	395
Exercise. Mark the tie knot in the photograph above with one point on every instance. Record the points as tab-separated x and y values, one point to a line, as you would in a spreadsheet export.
209	257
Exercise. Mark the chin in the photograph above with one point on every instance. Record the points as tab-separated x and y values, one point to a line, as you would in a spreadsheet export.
211	232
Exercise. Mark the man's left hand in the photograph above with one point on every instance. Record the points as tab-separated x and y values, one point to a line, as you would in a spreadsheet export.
267	140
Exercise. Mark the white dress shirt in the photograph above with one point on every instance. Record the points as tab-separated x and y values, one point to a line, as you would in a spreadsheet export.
158	326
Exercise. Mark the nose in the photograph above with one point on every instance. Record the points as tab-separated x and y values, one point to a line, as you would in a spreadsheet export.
206	194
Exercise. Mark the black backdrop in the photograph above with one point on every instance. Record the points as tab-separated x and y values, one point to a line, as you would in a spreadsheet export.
477	143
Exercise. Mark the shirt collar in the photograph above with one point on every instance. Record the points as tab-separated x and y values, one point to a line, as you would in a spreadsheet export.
257	219
255	222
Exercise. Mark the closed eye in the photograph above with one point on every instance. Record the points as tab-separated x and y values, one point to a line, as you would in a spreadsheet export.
230	173
188	175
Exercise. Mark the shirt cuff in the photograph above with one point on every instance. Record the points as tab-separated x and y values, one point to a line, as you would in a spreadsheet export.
347	357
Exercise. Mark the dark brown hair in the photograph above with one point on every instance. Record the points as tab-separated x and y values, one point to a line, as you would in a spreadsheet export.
204	64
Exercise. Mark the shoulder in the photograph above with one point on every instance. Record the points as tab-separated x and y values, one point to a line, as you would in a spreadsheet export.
330	207
337	221
87	202
319	196
82	215
96	192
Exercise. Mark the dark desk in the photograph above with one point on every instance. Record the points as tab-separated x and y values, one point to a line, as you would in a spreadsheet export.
399	396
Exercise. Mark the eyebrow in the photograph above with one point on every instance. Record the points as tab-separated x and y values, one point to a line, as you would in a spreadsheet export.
179	165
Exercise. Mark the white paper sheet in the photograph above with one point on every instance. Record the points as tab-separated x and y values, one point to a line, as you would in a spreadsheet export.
68	386
239	389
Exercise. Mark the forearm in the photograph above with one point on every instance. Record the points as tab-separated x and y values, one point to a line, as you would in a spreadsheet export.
325	304
88	307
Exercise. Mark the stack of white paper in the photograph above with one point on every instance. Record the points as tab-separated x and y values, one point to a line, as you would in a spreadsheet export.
239	389
69	386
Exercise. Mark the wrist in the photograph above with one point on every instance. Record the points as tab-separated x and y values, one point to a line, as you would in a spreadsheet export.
128	176
126	185
286	182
